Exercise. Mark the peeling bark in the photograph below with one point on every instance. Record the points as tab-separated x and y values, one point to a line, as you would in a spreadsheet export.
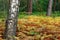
11	21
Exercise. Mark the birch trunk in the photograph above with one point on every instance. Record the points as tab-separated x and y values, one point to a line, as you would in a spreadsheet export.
11	22
49	8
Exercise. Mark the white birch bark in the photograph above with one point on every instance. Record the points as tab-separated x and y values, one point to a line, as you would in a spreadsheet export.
11	22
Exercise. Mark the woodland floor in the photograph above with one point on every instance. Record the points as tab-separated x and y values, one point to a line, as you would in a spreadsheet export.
35	28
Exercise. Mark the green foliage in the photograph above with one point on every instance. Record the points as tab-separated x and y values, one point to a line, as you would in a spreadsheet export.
39	8
54	14
3	14
38	5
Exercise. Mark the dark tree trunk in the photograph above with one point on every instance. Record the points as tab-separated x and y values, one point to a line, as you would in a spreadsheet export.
49	8
58	5
54	4
11	22
29	5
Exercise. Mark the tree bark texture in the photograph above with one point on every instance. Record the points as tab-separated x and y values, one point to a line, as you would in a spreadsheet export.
49	8
54	5
11	22
29	5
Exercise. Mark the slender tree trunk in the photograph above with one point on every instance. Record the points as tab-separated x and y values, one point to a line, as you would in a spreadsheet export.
49	8
11	22
58	5
29	5
54	4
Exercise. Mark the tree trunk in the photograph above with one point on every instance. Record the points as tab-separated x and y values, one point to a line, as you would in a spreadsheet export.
58	5
11	22
54	4
49	8
29	5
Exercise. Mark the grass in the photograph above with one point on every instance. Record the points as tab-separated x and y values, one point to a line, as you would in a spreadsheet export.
54	14
23	14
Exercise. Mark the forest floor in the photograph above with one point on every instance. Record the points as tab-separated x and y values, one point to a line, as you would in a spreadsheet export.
35	28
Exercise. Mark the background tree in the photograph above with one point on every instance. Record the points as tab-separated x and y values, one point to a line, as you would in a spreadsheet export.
54	5
49	8
11	22
29	5
58	6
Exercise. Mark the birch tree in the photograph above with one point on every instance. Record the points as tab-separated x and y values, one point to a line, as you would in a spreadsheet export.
49	8
11	21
